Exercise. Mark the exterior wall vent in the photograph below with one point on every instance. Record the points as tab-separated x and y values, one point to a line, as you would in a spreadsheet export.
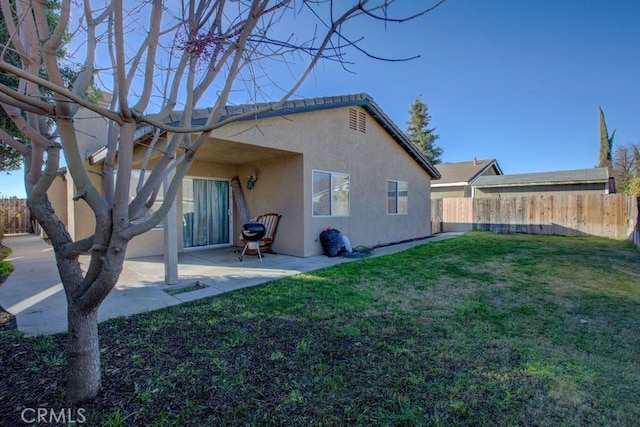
357	120
353	119
362	122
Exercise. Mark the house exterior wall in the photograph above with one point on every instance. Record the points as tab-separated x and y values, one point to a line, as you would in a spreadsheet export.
279	189
275	191
450	191
317	140
532	190
370	159
76	214
84	222
58	197
92	132
489	171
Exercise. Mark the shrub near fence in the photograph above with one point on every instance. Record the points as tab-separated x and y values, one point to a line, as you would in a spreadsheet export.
15	217
606	215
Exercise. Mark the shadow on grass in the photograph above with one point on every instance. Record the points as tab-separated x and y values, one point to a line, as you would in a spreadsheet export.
455	333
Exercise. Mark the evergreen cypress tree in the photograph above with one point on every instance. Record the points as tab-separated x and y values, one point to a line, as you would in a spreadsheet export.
419	132
606	143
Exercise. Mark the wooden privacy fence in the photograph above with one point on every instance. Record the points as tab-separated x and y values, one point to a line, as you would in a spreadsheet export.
606	215
15	217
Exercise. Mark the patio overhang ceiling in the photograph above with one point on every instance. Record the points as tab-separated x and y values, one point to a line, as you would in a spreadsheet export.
235	153
219	151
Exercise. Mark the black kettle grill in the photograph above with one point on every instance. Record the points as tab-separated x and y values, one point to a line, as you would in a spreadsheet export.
252	232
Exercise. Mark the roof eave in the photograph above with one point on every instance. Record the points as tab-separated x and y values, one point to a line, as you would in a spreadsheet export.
316	104
398	135
449	184
526	184
492	163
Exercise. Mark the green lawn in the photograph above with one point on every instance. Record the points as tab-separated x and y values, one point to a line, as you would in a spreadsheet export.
485	329
6	268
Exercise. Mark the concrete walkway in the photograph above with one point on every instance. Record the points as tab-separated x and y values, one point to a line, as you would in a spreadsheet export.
33	293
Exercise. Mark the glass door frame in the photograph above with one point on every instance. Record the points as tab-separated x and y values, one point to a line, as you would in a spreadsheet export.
230	214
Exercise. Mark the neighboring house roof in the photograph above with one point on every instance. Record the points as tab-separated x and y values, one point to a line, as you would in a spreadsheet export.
307	105
578	176
464	173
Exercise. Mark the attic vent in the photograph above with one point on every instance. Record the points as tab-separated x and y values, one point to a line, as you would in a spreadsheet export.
353	119
357	120
362	122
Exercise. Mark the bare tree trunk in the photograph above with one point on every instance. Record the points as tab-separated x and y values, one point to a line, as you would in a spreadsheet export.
83	371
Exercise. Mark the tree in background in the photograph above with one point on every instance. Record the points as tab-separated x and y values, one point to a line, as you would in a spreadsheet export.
158	58
11	159
606	143
419	132
632	186
626	168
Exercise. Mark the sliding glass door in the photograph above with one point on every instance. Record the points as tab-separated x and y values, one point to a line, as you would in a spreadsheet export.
205	209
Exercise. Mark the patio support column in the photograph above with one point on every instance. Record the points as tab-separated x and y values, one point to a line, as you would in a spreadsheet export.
71	205
170	240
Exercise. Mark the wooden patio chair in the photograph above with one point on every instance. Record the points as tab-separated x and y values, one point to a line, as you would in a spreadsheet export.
270	221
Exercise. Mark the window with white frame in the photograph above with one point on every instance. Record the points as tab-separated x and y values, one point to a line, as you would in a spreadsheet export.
397	197
330	194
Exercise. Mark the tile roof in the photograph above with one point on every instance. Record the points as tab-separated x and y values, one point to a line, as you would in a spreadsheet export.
305	105
578	176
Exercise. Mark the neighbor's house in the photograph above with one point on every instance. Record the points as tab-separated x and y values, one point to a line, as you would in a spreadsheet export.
581	181
335	162
457	178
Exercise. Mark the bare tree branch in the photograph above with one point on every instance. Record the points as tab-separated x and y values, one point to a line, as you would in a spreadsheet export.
23	102
13	143
154	32
384	17
60	91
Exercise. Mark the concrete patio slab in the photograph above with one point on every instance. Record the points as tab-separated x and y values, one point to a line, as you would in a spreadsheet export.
33	293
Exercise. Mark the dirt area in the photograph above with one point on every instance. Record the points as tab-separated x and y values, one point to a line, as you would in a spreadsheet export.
7	321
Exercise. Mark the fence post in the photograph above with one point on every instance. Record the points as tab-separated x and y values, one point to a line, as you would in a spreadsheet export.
636	234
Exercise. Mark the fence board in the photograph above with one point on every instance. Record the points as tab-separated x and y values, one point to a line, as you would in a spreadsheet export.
436	216
457	214
607	215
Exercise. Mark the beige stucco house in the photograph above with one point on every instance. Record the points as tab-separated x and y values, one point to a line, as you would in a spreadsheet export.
335	161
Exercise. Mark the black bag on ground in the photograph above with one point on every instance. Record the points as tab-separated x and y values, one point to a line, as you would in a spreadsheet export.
332	243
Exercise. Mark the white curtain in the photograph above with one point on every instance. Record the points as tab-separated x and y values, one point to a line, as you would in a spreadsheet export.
208	222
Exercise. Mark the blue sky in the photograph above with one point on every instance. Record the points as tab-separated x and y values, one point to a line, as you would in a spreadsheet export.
515	80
